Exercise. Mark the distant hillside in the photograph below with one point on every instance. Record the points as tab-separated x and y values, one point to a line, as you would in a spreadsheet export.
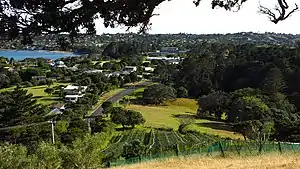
152	42
271	161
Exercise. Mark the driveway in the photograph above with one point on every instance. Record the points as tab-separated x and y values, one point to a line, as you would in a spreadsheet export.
128	90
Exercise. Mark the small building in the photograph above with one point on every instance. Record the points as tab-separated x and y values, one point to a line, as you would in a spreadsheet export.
73	98
93	71
148	69
169	50
130	69
58	64
59	106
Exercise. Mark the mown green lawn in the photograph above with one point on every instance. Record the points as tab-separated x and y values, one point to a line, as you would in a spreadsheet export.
39	94
168	116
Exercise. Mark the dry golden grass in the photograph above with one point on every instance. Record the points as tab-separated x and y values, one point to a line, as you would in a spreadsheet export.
267	161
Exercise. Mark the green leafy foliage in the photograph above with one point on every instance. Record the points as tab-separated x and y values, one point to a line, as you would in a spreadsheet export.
133	149
158	93
126	117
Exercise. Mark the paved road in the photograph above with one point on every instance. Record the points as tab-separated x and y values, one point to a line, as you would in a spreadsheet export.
118	96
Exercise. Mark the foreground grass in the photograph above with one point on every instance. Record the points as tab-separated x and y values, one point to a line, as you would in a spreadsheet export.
39	94
266	161
168	116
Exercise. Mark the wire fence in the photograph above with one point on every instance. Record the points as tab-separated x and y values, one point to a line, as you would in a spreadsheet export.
223	148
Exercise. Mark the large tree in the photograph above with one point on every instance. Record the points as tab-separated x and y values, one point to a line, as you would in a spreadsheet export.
19	108
29	17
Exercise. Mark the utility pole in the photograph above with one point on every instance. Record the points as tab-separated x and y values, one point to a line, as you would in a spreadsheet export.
52	130
89	124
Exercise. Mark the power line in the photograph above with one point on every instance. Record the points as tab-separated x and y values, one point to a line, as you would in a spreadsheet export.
22	126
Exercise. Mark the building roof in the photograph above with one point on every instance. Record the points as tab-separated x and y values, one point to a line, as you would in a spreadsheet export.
73	87
94	71
59	106
74	96
130	67
56	111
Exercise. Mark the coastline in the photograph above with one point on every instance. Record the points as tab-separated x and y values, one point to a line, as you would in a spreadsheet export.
54	51
47	54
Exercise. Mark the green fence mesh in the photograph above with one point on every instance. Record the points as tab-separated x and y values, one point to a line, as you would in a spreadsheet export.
218	148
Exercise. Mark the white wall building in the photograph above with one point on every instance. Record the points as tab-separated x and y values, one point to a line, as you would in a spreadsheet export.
73	93
130	69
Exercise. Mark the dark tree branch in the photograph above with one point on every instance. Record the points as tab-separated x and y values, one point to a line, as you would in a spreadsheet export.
281	10
27	17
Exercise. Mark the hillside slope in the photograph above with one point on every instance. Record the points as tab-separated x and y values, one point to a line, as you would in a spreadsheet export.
267	161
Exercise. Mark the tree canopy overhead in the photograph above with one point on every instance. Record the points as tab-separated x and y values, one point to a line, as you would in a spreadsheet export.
30	17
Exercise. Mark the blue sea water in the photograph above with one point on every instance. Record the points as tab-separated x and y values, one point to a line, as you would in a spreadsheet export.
22	54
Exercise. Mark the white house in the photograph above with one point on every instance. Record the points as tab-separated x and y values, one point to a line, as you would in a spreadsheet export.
93	71
58	64
75	90
73	93
130	69
148	69
73	98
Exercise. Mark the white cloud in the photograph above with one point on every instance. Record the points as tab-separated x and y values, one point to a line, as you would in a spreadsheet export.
182	16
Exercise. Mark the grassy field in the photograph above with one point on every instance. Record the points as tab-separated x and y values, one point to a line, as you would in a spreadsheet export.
39	94
266	161
167	116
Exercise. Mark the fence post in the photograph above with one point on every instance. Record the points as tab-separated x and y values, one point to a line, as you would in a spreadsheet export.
222	150
177	149
279	147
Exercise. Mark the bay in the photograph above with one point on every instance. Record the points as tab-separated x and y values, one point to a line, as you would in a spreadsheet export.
23	54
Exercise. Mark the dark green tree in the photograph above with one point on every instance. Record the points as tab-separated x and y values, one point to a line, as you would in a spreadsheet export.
182	92
4	81
274	81
158	93
134	118
133	77
213	104
118	116
49	91
107	106
19	108
133	149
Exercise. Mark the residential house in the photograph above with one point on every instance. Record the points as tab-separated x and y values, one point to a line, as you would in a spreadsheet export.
73	93
130	69
58	64
148	69
93	71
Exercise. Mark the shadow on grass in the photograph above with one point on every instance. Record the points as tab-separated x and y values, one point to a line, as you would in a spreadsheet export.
216	125
38	87
50	99
124	129
37	97
184	116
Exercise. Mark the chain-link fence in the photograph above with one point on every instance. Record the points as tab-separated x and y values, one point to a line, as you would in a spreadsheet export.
223	148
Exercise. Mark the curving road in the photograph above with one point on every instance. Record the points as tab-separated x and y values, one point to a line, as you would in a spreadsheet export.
118	96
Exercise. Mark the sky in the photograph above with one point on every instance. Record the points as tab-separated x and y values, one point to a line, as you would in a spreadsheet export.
181	16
